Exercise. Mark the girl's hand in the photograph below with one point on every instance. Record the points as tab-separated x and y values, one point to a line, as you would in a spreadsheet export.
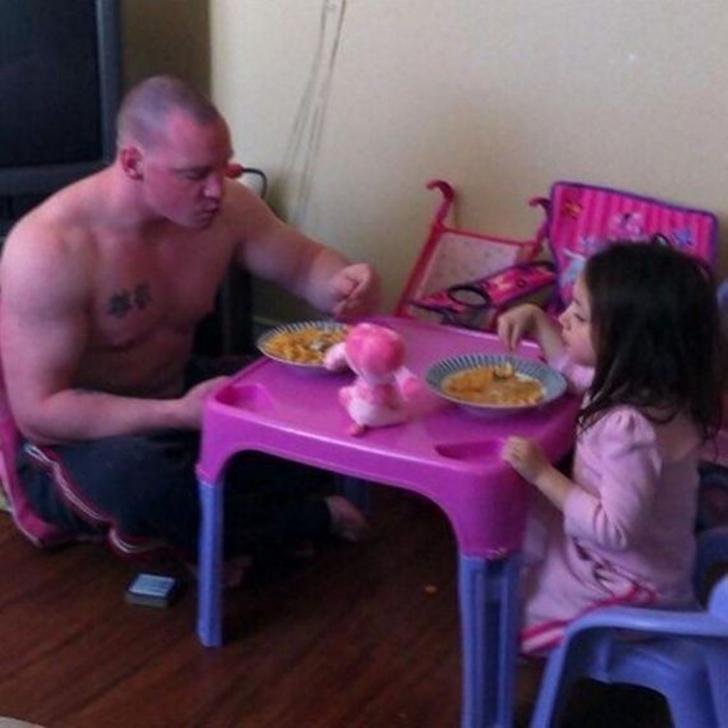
515	323
526	458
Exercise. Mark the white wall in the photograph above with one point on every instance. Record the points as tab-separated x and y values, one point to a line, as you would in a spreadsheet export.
352	105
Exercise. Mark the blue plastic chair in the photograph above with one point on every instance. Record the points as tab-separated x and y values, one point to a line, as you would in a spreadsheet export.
681	654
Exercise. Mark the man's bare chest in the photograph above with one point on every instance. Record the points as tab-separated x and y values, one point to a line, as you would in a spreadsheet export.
148	295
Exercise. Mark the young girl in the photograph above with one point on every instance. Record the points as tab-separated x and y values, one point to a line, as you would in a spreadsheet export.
641	339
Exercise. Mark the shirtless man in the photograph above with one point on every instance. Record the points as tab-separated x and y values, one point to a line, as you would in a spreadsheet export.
102	288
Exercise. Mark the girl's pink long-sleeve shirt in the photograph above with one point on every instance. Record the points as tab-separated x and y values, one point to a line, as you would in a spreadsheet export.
625	534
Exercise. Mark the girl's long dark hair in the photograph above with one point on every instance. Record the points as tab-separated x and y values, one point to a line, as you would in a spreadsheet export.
656	331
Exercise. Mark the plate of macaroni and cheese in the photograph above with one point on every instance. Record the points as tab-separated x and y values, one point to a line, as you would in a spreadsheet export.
302	344
495	383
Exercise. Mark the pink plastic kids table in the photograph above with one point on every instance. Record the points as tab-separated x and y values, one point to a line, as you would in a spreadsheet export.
448	455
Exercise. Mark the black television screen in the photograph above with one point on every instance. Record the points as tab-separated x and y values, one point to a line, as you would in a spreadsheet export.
59	85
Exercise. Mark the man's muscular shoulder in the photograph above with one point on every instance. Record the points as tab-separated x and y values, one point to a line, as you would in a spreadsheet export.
245	213
48	249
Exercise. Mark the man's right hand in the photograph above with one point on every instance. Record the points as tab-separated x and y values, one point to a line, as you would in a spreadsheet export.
355	290
190	410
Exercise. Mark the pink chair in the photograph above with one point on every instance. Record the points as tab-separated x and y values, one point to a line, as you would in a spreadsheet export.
584	218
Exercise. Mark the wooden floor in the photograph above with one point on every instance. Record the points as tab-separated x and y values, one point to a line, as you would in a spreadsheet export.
360	636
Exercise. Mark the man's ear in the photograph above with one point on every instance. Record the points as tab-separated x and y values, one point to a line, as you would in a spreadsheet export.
234	170
132	162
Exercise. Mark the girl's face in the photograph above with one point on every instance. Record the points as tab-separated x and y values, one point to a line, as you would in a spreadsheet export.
576	328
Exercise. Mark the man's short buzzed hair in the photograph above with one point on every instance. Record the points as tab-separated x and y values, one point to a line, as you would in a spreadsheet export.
146	107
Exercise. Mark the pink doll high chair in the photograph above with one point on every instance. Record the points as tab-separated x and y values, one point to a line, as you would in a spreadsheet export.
465	278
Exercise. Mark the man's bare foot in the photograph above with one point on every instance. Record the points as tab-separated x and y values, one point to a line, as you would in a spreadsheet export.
347	521
234	571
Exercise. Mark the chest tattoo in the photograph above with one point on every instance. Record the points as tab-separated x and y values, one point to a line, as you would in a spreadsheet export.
142	297
121	302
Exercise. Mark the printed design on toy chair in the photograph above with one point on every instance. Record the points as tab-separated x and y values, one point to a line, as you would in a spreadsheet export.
583	219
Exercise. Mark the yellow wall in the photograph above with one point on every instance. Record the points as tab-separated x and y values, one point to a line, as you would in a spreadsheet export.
352	105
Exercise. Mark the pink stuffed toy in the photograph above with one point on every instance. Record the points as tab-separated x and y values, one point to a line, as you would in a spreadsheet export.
383	388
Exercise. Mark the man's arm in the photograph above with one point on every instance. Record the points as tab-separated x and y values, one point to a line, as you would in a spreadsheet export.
44	329
277	252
